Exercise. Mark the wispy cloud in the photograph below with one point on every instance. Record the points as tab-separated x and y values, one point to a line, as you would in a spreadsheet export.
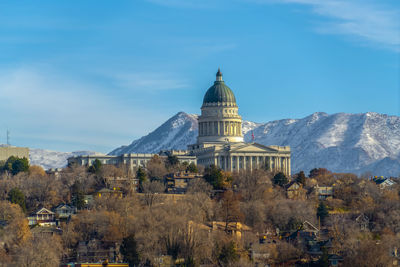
366	20
40	105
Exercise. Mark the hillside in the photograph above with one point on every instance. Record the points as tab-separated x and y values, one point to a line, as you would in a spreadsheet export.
359	143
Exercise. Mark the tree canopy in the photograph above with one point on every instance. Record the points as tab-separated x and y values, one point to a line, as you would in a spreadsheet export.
16	165
17	197
216	177
280	179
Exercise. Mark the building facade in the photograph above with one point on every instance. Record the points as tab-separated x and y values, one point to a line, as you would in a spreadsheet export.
133	161
8	151
220	141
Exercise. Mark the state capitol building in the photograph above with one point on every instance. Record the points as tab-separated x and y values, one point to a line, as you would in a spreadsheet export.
220	140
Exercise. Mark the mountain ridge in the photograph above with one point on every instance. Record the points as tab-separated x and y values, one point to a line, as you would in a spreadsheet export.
340	142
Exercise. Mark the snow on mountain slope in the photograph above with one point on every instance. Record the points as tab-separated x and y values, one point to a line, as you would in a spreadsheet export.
339	142
52	159
176	133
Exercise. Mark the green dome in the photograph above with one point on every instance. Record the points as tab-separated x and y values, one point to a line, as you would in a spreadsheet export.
219	92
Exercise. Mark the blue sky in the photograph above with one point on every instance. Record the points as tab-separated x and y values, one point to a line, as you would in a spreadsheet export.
94	75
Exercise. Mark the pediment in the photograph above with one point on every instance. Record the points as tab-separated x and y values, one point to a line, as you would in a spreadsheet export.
44	211
253	147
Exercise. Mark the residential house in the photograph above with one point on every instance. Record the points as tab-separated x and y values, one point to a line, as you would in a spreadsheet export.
236	229
42	217
363	222
307	238
178	182
123	182
65	211
105	192
46	231
295	190
334	260
323	192
384	183
88	200
97	251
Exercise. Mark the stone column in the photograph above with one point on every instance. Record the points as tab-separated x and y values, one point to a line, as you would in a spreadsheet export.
237	163
251	163
257	163
230	163
244	163
287	166
279	163
270	163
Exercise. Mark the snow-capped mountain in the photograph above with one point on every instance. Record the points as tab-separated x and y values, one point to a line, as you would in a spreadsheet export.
52	159
176	133
339	142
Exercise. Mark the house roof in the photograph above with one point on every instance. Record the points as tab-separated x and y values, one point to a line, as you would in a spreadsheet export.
290	184
43	211
362	217
309	226
64	206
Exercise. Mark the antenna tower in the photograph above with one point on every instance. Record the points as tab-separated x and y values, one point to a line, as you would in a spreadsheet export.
8	137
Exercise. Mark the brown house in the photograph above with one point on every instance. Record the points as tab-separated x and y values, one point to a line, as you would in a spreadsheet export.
295	190
178	182
98	251
105	192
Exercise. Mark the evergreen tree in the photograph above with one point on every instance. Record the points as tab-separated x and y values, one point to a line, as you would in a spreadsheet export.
96	166
192	168
322	212
17	197
280	179
214	176
129	251
301	178
172	160
318	172
16	165
228	254
141	175
78	195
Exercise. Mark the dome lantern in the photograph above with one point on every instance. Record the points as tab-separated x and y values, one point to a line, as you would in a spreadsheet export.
219	76
219	93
